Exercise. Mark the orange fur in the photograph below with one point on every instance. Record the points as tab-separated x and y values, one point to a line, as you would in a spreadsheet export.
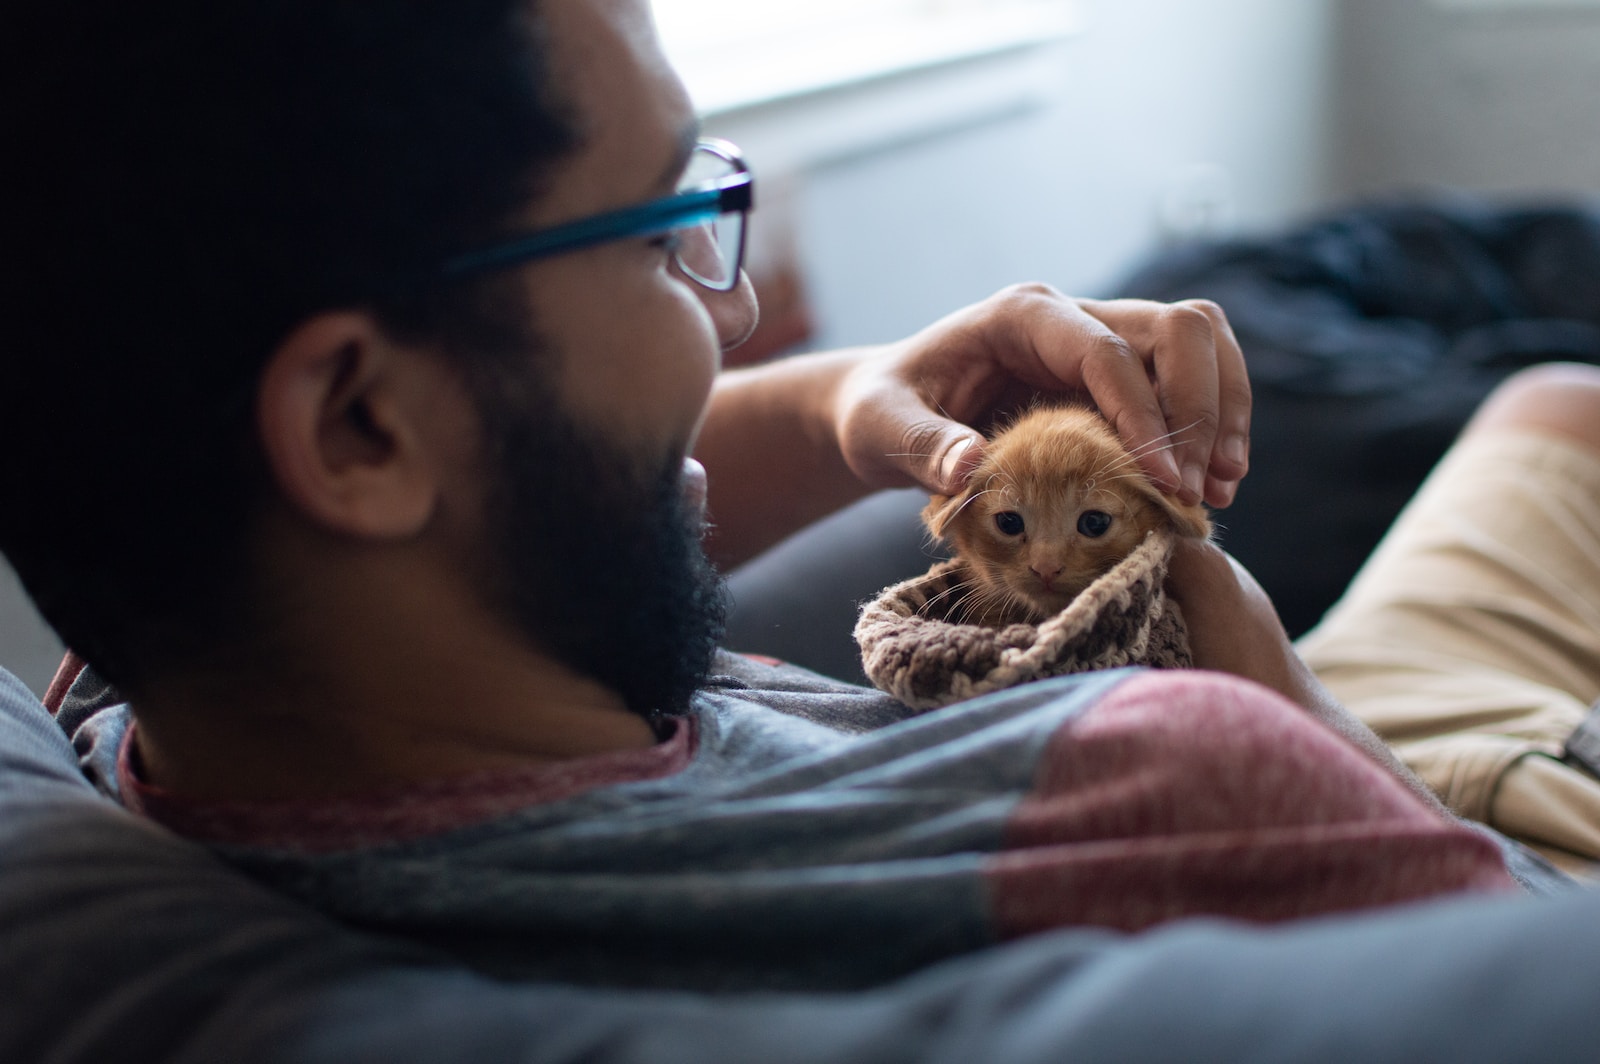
1055	475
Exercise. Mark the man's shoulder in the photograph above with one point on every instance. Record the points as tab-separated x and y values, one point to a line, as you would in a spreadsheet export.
33	749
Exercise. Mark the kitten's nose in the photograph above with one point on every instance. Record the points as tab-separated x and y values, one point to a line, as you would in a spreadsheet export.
1046	574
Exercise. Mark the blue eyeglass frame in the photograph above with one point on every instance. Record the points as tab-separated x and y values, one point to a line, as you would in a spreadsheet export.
682	210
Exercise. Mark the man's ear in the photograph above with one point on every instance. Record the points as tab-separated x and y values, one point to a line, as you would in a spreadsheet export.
341	419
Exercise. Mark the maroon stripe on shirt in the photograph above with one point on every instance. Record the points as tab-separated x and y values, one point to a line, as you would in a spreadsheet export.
329	825
1187	793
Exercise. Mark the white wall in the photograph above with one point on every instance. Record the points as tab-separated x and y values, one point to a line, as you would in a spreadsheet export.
1494	96
1222	101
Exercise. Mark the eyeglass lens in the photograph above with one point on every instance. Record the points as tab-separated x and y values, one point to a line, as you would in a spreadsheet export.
710	252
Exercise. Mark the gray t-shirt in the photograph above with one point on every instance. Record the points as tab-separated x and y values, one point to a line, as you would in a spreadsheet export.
758	848
124	942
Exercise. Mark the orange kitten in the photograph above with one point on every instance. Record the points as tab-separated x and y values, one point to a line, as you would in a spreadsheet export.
1057	502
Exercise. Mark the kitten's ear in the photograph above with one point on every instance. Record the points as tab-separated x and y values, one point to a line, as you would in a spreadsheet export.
940	509
1185	520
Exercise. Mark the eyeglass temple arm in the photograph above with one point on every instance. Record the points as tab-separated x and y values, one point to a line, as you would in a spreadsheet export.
732	193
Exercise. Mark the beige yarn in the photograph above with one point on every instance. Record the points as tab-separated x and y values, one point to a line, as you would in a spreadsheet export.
926	661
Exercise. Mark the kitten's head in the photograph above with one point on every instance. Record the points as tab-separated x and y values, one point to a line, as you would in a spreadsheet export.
1057	502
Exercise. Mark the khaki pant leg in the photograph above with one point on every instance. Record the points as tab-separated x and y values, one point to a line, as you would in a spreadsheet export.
1471	640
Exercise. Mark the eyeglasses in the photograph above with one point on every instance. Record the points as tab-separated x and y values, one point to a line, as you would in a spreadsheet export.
705	218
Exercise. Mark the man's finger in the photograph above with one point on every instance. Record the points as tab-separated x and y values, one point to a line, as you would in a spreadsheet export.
960	459
1114	372
1230	457
894	438
937	453
1177	345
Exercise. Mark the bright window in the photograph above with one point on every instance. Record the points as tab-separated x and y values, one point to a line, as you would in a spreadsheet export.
738	52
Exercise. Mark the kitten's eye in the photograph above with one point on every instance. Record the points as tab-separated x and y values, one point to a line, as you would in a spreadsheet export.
1009	522
1094	523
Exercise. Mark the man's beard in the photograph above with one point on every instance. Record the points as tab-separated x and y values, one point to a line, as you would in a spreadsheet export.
596	560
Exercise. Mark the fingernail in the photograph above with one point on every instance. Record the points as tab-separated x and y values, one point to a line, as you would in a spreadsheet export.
950	469
1236	449
1194	480
1169	473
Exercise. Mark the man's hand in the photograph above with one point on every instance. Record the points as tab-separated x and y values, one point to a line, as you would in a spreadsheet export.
1169	377
1234	628
790	441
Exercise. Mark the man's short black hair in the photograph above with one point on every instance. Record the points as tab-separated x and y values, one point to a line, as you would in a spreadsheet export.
181	183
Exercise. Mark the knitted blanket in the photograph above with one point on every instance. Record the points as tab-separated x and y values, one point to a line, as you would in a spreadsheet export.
912	651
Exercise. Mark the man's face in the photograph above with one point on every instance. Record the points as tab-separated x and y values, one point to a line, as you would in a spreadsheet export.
593	526
596	557
639	342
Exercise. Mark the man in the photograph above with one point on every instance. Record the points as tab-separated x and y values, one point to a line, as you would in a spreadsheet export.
383	519
376	432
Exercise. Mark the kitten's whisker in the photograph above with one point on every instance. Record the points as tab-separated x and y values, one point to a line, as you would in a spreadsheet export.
970	500
1023	606
1164	442
978	600
936	404
962	609
977	596
988	608
991	603
952	589
1181	428
1001	602
1132	458
957	610
1106	491
1122	462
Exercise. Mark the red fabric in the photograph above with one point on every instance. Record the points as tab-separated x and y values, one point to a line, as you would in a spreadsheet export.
1191	793
66	672
328	825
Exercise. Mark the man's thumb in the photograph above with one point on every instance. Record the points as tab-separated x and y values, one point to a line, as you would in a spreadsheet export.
956	460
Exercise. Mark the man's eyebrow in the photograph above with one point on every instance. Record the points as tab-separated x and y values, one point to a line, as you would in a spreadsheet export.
688	137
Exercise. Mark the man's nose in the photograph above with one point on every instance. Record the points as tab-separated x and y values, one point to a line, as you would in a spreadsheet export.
734	313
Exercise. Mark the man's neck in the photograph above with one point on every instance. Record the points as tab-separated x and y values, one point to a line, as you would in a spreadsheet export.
424	686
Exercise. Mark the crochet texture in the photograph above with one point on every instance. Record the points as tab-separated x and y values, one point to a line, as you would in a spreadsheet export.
912	651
